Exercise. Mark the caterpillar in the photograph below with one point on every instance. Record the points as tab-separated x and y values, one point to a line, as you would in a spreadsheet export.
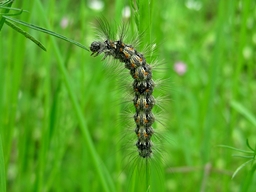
146	166
142	86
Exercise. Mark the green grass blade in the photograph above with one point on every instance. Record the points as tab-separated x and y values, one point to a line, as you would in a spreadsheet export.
243	156
8	3
99	166
233	148
242	110
248	145
37	28
249	180
27	35
13	9
240	167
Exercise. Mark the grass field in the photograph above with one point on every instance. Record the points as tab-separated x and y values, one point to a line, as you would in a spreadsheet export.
61	115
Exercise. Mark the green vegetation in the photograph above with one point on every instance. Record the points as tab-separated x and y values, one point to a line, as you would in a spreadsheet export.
61	121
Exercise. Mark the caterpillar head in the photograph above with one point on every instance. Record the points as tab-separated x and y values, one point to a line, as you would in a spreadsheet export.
95	47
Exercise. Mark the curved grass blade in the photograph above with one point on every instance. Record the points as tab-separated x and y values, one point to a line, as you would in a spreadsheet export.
8	3
13	9
27	35
47	32
239	150
249	155
240	167
243	156
249	146
245	112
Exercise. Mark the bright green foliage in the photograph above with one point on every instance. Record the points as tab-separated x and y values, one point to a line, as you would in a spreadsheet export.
249	156
61	119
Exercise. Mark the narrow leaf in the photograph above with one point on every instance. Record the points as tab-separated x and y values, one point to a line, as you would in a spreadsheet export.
235	149
6	2
2	19
11	8
47	32
248	145
240	167
27	35
245	112
242	156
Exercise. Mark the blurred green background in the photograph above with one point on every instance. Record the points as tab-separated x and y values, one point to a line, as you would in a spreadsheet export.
61	115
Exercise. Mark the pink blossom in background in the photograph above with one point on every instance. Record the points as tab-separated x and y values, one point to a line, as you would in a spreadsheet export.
180	68
64	22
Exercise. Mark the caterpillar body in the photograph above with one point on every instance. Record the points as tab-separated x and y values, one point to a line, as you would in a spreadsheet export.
146	167
143	87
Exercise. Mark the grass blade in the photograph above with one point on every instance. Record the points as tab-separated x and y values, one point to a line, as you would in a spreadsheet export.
27	35
8	3
242	110
239	150
99	166
240	167
37	28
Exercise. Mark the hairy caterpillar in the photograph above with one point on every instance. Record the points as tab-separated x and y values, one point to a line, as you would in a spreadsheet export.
142	87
